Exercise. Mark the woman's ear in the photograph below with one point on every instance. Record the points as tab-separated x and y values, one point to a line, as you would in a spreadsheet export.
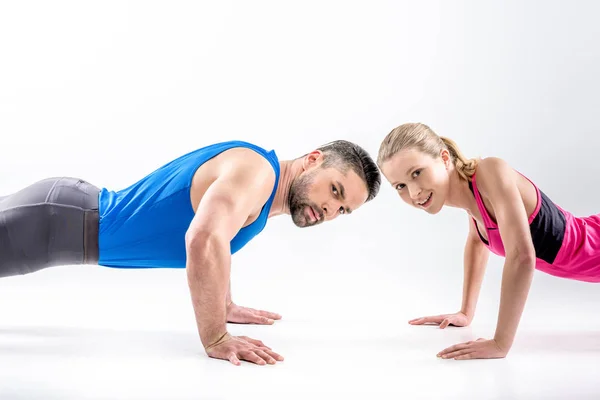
446	158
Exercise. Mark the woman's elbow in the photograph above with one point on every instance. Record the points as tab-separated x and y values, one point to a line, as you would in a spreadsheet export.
524	257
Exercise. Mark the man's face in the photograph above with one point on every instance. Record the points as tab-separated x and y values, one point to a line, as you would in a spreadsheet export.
321	194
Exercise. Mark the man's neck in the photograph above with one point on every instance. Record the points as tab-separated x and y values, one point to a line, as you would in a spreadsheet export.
289	170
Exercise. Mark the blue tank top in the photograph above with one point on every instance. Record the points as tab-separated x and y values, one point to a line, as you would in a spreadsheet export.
144	225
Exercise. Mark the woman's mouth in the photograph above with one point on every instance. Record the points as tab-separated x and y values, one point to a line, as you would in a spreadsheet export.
426	202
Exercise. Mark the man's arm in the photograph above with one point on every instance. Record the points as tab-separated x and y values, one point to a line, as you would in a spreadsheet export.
239	191
228	300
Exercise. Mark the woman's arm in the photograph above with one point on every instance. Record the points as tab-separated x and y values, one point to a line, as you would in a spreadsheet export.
498	183
475	259
476	256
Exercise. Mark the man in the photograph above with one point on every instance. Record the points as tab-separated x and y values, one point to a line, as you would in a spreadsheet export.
193	212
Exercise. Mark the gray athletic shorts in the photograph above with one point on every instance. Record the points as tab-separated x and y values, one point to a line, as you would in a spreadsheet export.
51	222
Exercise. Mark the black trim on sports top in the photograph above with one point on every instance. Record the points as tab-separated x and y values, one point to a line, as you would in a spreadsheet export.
547	229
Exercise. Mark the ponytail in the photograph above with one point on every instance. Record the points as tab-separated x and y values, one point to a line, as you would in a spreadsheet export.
464	166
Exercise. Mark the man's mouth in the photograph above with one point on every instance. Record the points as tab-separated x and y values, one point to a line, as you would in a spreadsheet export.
313	215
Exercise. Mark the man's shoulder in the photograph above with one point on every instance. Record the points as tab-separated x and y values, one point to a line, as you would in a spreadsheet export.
240	166
248	159
248	176
242	145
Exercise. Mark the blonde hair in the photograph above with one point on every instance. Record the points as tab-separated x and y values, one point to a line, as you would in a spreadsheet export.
421	137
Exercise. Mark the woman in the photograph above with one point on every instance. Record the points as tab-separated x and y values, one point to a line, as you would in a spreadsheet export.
508	215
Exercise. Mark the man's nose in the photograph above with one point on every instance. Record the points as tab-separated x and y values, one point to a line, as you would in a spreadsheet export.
330	210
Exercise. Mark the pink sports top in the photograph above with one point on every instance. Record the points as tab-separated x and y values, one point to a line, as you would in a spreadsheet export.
565	245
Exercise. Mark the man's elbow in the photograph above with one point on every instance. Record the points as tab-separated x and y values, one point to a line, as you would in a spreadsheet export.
194	238
202	245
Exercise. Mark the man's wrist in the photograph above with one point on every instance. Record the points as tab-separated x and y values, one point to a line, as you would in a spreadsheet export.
220	339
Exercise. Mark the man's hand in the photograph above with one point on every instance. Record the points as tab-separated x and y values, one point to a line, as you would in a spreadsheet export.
236	348
245	315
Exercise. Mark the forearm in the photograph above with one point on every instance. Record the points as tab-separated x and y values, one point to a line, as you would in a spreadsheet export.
475	261
228	300
208	269
516	282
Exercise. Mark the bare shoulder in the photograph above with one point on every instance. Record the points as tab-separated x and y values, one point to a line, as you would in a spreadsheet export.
499	182
242	173
492	165
248	170
494	173
242	161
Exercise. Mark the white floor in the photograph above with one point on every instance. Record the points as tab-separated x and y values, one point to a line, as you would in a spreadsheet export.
141	83
100	333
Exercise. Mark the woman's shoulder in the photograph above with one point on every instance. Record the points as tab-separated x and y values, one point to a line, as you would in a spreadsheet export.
497	179
494	173
489	164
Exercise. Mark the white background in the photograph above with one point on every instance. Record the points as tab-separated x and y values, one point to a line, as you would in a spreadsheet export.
109	91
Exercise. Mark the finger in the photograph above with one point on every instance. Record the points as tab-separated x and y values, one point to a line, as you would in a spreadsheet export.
270	352
255	342
458	353
265	356
469	356
444	323
233	359
425	320
251	356
268	314
257	318
251	318
450	349
265	320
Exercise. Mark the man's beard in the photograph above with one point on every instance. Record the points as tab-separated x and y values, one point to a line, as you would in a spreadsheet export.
298	201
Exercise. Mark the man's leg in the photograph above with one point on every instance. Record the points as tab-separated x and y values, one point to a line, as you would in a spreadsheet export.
51	222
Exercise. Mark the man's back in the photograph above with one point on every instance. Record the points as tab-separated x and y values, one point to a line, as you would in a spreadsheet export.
144	225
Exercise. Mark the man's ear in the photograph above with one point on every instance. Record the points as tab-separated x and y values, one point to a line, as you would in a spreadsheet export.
312	159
